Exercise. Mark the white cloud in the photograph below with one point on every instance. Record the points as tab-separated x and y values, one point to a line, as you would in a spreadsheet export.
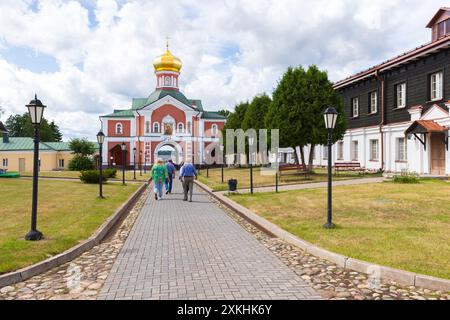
231	49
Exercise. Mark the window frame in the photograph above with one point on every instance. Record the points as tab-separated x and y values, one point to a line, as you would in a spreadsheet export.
214	129
371	101
401	151
182	127
159	127
61	161
340	150
353	100
403	95
5	162
119	125
374	155
439	86
355	151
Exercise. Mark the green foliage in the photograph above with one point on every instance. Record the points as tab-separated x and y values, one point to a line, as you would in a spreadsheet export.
92	176
110	173
224	112
20	126
80	163
406	177
82	147
256	113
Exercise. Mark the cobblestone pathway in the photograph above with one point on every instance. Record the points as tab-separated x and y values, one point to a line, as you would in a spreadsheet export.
182	250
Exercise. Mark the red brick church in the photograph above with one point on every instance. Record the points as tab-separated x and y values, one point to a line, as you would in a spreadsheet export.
166	124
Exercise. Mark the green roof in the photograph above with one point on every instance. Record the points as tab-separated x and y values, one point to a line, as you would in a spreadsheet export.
159	94
213	115
27	144
121	114
197	104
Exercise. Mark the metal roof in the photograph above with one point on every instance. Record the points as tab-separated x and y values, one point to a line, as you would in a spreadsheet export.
27	144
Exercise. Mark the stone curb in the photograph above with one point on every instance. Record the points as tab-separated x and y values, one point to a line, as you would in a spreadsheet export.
400	276
70	254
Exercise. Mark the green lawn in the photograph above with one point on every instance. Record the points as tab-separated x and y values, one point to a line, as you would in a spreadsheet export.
214	181
68	213
129	175
401	226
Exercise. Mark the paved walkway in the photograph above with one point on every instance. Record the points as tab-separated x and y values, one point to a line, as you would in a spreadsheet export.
181	250
314	185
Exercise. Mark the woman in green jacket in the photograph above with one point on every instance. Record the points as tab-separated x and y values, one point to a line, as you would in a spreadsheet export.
159	176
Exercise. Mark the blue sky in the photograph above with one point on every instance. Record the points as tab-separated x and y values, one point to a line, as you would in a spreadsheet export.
85	58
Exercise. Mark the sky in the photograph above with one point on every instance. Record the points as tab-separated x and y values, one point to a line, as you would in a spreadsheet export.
85	58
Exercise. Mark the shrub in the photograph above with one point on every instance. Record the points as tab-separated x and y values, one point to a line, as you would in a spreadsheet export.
406	177
110	173
91	176
81	163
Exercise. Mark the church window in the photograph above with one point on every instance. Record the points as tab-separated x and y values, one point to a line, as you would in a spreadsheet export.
119	128
147	126
167	81
214	129
156	127
189	127
180	127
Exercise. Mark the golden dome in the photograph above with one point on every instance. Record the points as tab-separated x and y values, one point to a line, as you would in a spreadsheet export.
167	62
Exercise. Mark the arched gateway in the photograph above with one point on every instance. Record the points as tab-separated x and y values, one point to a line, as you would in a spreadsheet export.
164	124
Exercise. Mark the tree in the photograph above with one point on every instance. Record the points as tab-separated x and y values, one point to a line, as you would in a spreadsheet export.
82	147
256	112
224	112
20	126
297	109
83	150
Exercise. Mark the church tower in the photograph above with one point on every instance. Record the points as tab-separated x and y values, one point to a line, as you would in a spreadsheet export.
167	70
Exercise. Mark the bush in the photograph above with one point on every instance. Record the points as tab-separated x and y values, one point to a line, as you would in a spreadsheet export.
91	176
110	173
406	177
81	163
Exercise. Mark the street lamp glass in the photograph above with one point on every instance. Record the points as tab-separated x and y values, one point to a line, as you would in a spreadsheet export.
36	110
330	115
100	137
124	146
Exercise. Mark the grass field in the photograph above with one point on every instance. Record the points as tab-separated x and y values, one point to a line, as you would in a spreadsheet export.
129	175
267	178
401	226
68	213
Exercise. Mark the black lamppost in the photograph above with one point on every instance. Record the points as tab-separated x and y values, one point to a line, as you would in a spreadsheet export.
140	163
36	111
134	163
124	149
100	140
250	141
330	116
223	164
145	163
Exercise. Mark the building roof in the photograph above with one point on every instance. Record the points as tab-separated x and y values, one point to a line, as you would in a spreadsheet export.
161	93
425	126
27	144
412	55
121	114
437	16
213	115
3	128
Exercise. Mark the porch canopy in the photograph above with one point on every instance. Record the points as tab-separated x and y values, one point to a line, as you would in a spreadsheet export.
424	127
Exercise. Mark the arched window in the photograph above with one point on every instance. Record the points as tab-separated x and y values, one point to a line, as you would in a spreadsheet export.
147	126
167	81
180	127
156	127
119	128
214	129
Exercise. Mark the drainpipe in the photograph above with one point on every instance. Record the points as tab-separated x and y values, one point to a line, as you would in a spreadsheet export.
381	124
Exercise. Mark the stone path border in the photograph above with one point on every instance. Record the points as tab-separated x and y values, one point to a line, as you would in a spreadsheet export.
72	253
314	185
401	276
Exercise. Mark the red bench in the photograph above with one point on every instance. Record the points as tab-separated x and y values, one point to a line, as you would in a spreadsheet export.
348	167
292	169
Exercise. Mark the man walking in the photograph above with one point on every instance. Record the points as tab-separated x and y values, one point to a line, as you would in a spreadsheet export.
171	175
188	174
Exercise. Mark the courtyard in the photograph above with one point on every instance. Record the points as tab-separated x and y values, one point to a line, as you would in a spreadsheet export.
401	226
68	212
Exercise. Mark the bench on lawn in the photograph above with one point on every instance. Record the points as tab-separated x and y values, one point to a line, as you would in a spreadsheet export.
348	167
292	169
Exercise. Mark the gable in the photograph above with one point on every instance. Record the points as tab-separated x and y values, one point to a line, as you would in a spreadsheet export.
435	112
